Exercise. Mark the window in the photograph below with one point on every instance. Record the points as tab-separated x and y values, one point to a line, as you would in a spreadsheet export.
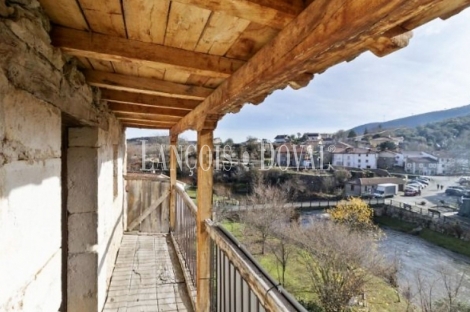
352	187
367	160
359	160
359	155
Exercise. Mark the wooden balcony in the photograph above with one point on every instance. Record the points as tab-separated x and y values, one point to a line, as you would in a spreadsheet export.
160	271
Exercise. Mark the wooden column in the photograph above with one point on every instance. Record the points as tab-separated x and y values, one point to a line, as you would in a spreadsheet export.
173	151
204	211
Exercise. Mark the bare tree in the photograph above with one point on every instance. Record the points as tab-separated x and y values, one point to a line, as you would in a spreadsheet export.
338	268
267	211
282	249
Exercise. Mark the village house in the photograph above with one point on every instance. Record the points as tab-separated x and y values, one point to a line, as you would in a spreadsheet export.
355	158
313	136
390	159
367	186
422	165
281	139
298	156
78	233
448	163
377	141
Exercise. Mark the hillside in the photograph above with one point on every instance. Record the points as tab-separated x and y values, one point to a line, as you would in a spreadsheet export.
417	120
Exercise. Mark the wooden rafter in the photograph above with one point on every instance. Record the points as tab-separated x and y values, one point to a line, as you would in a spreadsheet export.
148	100
147	117
102	47
149	111
322	33
145	85
273	13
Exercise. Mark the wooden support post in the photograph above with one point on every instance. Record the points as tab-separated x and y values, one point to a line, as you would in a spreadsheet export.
173	151
204	211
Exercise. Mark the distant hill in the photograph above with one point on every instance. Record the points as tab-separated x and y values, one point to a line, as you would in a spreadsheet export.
416	120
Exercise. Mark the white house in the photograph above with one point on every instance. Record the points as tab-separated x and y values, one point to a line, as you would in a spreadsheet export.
313	136
449	164
355	158
281	139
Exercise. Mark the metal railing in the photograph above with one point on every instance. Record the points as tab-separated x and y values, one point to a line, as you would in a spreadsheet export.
185	230
239	283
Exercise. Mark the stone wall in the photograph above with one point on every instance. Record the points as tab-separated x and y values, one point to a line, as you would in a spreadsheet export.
38	86
422	219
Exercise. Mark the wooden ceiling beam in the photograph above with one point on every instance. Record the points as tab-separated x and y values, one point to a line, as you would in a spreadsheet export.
148	100
130	124
145	85
276	14
324	30
115	49
144	117
442	9
157	111
384	46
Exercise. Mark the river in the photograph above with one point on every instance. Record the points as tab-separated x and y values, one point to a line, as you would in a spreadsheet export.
417	256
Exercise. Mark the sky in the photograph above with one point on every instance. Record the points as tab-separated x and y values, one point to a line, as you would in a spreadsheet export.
432	73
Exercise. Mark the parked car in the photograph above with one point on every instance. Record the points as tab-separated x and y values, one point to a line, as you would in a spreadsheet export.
452	191
425	182
411	187
411	192
416	184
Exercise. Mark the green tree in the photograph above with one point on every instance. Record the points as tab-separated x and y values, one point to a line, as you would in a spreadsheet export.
387	146
229	141
352	134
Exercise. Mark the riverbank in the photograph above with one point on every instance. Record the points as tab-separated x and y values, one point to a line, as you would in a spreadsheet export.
381	296
451	243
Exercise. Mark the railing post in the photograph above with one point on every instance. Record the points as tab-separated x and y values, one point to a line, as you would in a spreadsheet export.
173	151
204	211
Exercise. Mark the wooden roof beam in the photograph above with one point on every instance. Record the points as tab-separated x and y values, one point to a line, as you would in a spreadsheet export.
168	120
115	49
276	14
156	111
148	100
383	45
145	85
442	9
322	32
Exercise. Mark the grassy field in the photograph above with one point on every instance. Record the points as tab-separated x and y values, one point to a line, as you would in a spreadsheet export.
380	295
439	239
192	192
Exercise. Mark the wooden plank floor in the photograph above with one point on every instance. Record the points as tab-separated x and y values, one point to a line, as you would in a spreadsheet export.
147	277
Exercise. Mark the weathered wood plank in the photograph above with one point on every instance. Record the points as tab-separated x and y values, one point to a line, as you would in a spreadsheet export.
148	210
274	13
65	12
101	65
443	9
173	174
185	25
138	121
143	116
148	100
104	16
384	46
150	111
131	69
251	41
144	125
146	20
165	210
92	45
205	182
220	33
145	85
322	29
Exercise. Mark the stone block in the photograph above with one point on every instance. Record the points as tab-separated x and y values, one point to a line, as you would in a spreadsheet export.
83	236
82	276
84	137
82	177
